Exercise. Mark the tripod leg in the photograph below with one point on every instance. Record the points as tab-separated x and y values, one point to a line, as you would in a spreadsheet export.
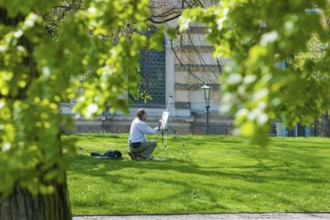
165	143
164	134
183	145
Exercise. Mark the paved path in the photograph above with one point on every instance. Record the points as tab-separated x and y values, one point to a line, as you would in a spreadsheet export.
268	216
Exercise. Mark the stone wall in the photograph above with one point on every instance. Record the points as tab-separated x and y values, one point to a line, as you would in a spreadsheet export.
196	124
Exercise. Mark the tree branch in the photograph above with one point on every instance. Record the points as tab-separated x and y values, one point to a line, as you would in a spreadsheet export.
187	68
163	21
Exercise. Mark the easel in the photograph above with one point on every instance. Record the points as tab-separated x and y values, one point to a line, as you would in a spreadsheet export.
165	118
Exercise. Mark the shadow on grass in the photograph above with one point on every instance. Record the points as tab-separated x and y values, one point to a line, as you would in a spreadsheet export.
222	168
269	167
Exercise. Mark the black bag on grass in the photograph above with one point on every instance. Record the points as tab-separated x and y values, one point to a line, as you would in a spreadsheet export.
110	154
113	154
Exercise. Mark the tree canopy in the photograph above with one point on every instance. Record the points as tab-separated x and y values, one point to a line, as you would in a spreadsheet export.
45	49
258	37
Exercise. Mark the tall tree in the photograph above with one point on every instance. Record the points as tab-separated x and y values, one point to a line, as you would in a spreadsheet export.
258	36
45	49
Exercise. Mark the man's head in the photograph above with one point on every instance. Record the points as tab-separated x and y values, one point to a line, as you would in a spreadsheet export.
141	114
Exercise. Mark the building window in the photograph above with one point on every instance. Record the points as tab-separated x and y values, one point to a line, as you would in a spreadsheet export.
153	83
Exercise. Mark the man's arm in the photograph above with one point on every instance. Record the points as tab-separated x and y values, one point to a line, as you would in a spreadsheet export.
146	129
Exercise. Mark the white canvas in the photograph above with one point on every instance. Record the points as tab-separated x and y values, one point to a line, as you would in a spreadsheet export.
164	119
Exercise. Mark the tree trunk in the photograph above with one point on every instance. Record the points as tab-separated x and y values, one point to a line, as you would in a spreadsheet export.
22	205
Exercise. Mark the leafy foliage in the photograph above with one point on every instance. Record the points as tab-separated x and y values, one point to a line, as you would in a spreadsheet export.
45	51
258	36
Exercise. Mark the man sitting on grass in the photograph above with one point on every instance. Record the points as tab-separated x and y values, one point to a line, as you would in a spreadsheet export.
140	148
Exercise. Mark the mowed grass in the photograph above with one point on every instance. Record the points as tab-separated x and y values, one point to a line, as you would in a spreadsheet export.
225	176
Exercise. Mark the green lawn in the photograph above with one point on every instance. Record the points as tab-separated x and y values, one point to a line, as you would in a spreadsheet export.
226	176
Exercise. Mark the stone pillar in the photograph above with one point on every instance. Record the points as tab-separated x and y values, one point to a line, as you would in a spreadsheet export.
169	68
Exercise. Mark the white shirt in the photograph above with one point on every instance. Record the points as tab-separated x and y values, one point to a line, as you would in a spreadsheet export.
138	130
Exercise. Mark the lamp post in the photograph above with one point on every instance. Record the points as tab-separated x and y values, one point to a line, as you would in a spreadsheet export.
207	93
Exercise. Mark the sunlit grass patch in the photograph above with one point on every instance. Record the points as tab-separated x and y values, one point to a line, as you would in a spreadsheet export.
225	176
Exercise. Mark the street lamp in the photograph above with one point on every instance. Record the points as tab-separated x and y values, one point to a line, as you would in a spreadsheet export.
207	93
